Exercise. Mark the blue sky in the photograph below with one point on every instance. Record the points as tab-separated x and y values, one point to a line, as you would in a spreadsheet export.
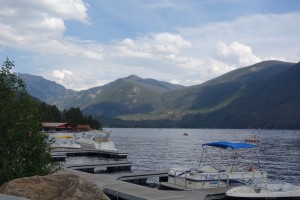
82	44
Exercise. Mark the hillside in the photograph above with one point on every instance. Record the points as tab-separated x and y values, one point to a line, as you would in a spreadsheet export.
263	95
125	95
129	95
41	88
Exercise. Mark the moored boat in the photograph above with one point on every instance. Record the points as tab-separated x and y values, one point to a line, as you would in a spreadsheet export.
265	189
96	140
227	172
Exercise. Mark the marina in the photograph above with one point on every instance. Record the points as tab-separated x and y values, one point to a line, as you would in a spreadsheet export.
133	175
144	172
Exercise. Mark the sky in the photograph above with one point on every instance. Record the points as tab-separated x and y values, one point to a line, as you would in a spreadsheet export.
87	43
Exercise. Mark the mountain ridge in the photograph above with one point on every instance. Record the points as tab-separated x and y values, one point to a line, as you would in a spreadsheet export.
243	98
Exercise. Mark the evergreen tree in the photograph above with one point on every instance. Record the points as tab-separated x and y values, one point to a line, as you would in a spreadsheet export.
23	148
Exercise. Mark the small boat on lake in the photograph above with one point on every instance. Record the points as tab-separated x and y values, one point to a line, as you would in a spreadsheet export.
96	140
265	189
224	168
252	139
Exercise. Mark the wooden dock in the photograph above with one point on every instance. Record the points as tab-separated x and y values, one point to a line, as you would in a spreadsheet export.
162	175
80	152
108	166
124	190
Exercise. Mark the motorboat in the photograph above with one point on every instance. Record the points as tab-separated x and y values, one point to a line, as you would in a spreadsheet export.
220	166
96	140
64	142
252	139
265	189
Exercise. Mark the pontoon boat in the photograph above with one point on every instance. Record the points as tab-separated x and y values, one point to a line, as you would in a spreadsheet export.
220	166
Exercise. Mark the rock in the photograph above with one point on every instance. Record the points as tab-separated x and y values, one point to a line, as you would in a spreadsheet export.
54	187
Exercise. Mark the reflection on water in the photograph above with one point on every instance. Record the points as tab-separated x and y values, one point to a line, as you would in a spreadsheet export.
160	149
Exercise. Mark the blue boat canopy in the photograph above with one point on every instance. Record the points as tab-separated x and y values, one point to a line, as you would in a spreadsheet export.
232	145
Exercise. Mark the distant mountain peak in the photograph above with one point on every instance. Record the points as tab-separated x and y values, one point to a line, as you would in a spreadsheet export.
132	76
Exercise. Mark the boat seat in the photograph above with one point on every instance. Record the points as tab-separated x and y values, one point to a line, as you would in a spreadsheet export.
208	169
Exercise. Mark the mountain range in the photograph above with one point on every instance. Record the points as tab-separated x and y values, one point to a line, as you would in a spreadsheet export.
265	95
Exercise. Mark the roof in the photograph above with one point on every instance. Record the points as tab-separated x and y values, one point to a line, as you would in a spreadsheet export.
232	145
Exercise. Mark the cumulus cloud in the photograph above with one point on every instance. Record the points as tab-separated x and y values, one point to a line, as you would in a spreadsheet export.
268	34
161	49
160	43
236	54
39	26
61	74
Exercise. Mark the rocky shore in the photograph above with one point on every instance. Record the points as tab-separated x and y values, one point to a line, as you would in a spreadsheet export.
53	187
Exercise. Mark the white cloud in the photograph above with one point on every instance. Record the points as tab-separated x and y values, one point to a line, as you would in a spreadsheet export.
236	54
38	26
61	74
170	43
269	35
175	81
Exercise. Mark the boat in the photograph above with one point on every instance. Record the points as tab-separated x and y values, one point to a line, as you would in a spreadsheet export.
265	189
252	139
96	140
64	142
219	166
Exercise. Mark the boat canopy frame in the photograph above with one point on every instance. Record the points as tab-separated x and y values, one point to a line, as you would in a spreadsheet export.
236	147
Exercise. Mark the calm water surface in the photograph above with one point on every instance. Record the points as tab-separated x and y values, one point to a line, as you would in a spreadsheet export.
160	149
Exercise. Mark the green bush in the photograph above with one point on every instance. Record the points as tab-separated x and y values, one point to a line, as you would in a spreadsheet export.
23	148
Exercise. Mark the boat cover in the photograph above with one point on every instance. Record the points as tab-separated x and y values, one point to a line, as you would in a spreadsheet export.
232	145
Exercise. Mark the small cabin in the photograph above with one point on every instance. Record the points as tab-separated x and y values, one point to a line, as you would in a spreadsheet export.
56	126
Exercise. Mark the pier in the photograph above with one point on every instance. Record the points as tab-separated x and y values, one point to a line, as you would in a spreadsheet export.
108	166
129	191
60	155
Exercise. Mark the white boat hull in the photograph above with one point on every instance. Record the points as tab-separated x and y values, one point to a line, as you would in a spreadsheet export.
97	140
243	192
196	180
104	146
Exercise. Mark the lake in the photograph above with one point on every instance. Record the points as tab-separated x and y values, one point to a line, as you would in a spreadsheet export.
160	149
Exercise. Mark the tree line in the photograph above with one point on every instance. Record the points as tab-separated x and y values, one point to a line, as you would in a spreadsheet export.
74	116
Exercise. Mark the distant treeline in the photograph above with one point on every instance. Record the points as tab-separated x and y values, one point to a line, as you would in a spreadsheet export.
74	116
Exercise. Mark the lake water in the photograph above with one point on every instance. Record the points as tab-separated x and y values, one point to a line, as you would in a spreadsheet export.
160	149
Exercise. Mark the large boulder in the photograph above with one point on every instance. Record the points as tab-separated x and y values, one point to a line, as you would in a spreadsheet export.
53	187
